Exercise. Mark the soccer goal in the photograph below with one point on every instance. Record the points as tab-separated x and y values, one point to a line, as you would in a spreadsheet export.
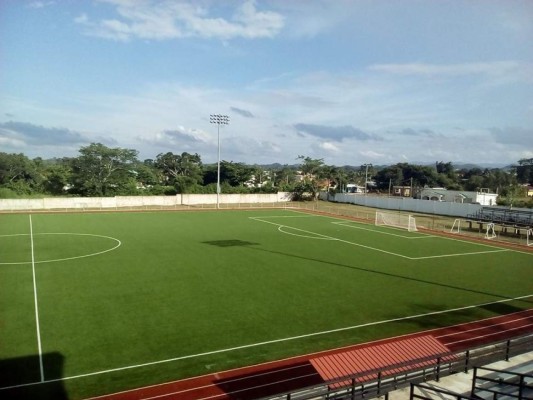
404	221
491	233
529	237
456	227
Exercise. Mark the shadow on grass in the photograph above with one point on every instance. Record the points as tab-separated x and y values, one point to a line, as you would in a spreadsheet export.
20	378
407	278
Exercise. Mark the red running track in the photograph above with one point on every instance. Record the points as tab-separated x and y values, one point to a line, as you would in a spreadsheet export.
291	374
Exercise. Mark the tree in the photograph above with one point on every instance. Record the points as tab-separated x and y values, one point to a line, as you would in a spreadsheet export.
312	172
524	170
102	171
284	178
235	174
181	171
57	176
338	175
18	173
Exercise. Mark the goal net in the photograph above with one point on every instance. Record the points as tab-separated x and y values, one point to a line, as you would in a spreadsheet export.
491	233
403	221
529	237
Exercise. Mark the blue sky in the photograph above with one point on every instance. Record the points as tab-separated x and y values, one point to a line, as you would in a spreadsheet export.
350	82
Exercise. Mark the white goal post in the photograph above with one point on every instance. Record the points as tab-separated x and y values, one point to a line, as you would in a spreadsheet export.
529	237
456	227
491	233
397	220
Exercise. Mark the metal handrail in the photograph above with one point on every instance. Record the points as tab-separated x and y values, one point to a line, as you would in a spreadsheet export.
441	365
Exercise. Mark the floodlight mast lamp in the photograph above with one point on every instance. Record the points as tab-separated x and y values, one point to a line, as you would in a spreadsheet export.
218	119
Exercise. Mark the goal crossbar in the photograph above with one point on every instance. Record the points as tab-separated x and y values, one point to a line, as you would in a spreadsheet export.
397	220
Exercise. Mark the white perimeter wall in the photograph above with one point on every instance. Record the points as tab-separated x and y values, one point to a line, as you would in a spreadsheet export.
58	203
406	204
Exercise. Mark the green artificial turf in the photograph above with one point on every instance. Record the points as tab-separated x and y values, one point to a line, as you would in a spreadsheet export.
131	299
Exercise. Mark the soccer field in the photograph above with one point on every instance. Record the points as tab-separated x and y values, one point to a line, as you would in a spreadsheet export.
103	302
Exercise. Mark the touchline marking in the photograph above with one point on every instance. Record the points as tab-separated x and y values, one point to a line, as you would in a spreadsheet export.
321	236
247	346
41	366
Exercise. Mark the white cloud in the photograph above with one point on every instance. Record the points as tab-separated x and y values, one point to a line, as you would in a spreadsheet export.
493	69
173	20
335	133
40	4
328	146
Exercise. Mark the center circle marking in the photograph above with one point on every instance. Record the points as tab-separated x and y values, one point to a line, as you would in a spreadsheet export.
117	244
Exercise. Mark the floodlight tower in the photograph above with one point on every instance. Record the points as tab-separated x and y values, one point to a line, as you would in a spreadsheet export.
218	119
366	176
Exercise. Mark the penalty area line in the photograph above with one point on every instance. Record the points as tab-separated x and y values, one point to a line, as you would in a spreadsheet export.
247	346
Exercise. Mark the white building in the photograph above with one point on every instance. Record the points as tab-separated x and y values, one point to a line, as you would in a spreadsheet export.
353	188
483	197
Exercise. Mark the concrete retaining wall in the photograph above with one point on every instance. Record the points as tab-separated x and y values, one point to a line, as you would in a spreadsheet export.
406	204
81	203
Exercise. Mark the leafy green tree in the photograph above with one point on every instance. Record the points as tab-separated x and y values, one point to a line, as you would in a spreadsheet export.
524	170
235	174
393	175
57	176
284	178
103	171
181	171
339	178
304	190
312	171
18	173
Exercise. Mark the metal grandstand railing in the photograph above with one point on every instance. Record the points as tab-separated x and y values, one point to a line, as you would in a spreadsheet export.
504	216
388	380
491	384
423	391
513	383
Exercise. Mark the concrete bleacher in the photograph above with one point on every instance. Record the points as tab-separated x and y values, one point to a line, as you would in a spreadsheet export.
503	216
515	382
463	385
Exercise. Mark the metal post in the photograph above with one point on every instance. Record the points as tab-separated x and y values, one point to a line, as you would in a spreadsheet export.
507	350
218	119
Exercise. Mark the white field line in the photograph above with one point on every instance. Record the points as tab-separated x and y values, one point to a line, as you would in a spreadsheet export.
316	354
282	340
489	334
478	329
321	236
229	393
352	226
341	219
461	254
37	324
172	394
119	243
